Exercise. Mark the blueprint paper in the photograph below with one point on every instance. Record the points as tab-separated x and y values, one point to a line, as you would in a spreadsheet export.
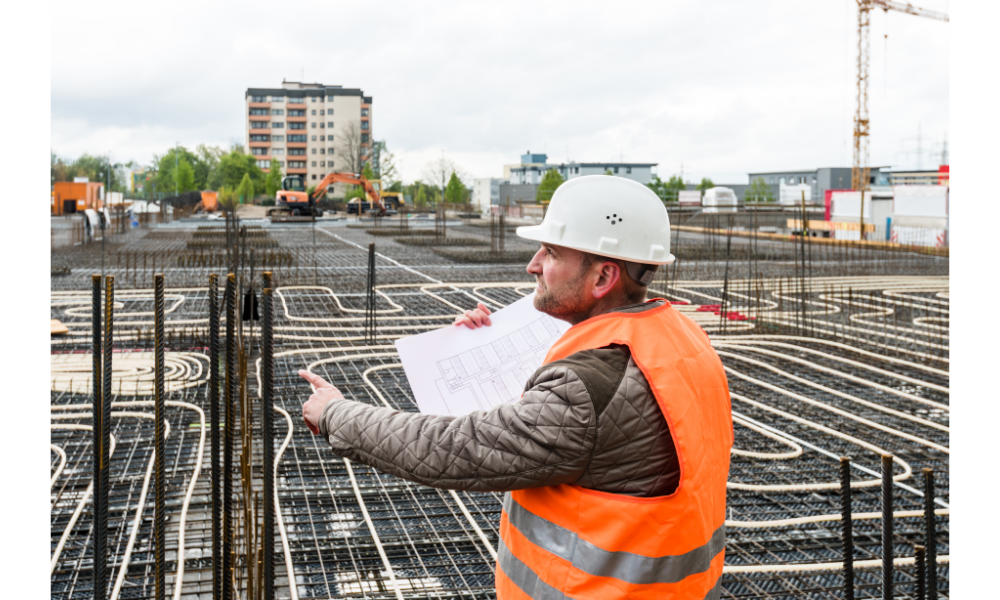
457	370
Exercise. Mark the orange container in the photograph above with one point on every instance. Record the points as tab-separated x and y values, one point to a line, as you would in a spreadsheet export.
69	197
210	201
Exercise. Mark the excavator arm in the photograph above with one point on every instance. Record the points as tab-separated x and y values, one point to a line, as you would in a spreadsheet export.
332	178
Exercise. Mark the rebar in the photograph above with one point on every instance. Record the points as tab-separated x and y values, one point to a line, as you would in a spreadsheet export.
159	416
267	426
213	395
100	452
370	299
931	534
845	521
887	527
919	566
227	453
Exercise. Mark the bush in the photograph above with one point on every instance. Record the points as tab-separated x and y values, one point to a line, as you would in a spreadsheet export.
267	202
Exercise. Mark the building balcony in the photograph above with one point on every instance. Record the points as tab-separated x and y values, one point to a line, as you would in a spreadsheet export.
295	171
296	119
260	105
260	144
296	144
259	131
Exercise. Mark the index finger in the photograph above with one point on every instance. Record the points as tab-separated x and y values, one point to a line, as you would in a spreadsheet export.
483	308
317	381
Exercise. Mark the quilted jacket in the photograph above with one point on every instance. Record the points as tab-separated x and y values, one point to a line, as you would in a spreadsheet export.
588	419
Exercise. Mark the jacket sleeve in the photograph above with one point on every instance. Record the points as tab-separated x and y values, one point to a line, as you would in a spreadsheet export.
544	439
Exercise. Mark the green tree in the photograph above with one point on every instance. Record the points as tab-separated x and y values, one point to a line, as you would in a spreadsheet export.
367	172
227	198
759	191
245	192
550	183
420	200
454	192
167	165
706	184
206	169
608	172
385	167
235	166
185	177
273	181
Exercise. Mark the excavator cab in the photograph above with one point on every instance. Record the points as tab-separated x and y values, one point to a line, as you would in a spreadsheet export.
293	183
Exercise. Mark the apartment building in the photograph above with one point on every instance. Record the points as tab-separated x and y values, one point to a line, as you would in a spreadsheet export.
305	125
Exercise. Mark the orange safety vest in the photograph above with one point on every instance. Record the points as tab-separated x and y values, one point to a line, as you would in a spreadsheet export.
565	541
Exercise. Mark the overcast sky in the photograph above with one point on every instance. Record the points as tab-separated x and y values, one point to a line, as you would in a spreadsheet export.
723	88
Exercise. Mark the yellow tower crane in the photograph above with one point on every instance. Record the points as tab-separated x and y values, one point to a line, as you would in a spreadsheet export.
860	171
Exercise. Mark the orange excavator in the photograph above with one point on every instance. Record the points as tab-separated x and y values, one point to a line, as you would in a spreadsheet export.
293	200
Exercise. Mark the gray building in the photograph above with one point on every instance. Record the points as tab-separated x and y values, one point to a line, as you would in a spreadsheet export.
534	166
820	180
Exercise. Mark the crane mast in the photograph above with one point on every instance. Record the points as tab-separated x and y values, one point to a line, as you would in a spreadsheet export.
861	168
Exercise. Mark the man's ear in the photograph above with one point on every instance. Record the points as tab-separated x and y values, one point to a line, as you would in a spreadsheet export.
607	277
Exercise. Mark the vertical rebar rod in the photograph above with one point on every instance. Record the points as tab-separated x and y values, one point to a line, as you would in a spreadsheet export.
159	415
107	347
213	395
918	555
887	527
227	467
930	540
370	326
846	526
267	426
100	457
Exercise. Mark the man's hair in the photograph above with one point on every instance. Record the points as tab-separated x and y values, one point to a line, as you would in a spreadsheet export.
634	292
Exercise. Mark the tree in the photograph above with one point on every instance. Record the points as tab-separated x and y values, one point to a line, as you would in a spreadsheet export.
273	181
550	182
385	166
206	169
420	200
706	184
759	191
438	172
349	148
235	166
245	192
167	165
227	198
455	191
184	177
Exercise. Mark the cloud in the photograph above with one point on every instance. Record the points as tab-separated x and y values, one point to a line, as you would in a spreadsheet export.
725	87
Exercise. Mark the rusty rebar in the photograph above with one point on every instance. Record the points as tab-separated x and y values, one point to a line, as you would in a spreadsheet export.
100	452
267	426
213	395
931	533
919	553
887	527
159	415
227	467
846	526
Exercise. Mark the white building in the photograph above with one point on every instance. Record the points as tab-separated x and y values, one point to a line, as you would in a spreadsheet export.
534	166
485	192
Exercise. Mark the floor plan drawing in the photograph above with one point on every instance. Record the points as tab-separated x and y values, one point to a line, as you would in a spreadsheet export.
455	371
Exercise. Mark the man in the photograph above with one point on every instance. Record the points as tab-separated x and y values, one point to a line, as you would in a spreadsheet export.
616	457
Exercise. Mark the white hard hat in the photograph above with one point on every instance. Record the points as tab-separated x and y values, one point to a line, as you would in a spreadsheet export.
608	216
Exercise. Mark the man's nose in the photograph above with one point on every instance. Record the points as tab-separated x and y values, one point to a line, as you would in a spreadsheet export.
535	266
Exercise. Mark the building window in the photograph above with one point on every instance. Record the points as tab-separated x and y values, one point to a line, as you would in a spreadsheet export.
314	98
364	125
277	138
258	125
277	111
281	164
322	125
329	124
296	100
314	125
296	151
322	150
329	150
364	112
628	170
264	164
329	163
296	113
576	170
616	170
321	112
314	151
296	125
314	138
314	164
258	98
278	125
296	164
296	138
277	98
259	112
258	151
277	150
329	98
364	138
260	137
314	112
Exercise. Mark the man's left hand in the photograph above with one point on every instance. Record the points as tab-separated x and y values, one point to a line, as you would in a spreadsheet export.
313	408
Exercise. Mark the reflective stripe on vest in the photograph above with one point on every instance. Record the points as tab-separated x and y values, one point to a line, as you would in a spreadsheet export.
629	567
565	541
